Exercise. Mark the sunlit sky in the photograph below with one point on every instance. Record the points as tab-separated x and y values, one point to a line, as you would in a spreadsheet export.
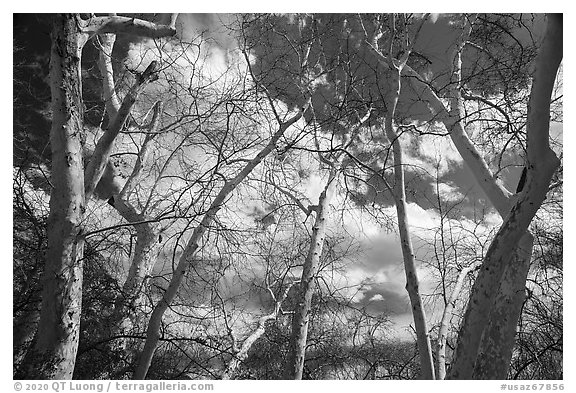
381	269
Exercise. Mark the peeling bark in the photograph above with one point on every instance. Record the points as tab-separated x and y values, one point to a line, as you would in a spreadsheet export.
541	163
53	353
495	352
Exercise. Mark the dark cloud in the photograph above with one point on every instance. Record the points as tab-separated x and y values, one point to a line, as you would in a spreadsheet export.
394	299
214	27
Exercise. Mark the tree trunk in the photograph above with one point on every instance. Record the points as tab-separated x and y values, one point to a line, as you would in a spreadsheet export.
445	321
54	352
498	195
153	330
147	238
301	317
399	191
131	298
242	354
396	68
498	339
541	163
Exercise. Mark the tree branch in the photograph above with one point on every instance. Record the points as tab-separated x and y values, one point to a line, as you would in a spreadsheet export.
126	25
103	148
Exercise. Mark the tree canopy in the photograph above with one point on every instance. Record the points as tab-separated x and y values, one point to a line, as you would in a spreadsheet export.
287	196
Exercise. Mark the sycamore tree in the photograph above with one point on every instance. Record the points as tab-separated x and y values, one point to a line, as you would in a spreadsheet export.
296	55
238	168
486	336
219	180
54	350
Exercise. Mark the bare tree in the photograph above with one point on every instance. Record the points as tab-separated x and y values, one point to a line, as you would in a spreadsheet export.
502	199
487	335
193	244
54	351
396	66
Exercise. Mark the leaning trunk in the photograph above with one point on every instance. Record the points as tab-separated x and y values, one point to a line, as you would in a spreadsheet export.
445	321
186	259
495	351
242	353
542	162
131	298
301	317
147	241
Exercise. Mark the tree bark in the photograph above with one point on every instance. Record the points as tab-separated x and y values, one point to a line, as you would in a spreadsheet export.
147	238
145	253
106	69
498	338
498	195
104	146
445	321
301	317
399	191
541	163
153	330
53	353
242	354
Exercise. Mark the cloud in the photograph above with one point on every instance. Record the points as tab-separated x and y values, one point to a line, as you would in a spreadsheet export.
432	154
449	192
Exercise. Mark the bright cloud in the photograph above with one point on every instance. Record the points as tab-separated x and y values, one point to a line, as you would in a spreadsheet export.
377	297
449	193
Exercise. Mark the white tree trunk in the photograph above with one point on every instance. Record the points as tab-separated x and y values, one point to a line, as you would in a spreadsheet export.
396	68
399	192
106	69
145	254
498	339
53	354
147	238
446	316
301	316
498	195
242	354
541	163
153	330
103	148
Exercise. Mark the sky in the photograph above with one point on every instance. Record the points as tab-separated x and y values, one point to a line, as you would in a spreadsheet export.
382	268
